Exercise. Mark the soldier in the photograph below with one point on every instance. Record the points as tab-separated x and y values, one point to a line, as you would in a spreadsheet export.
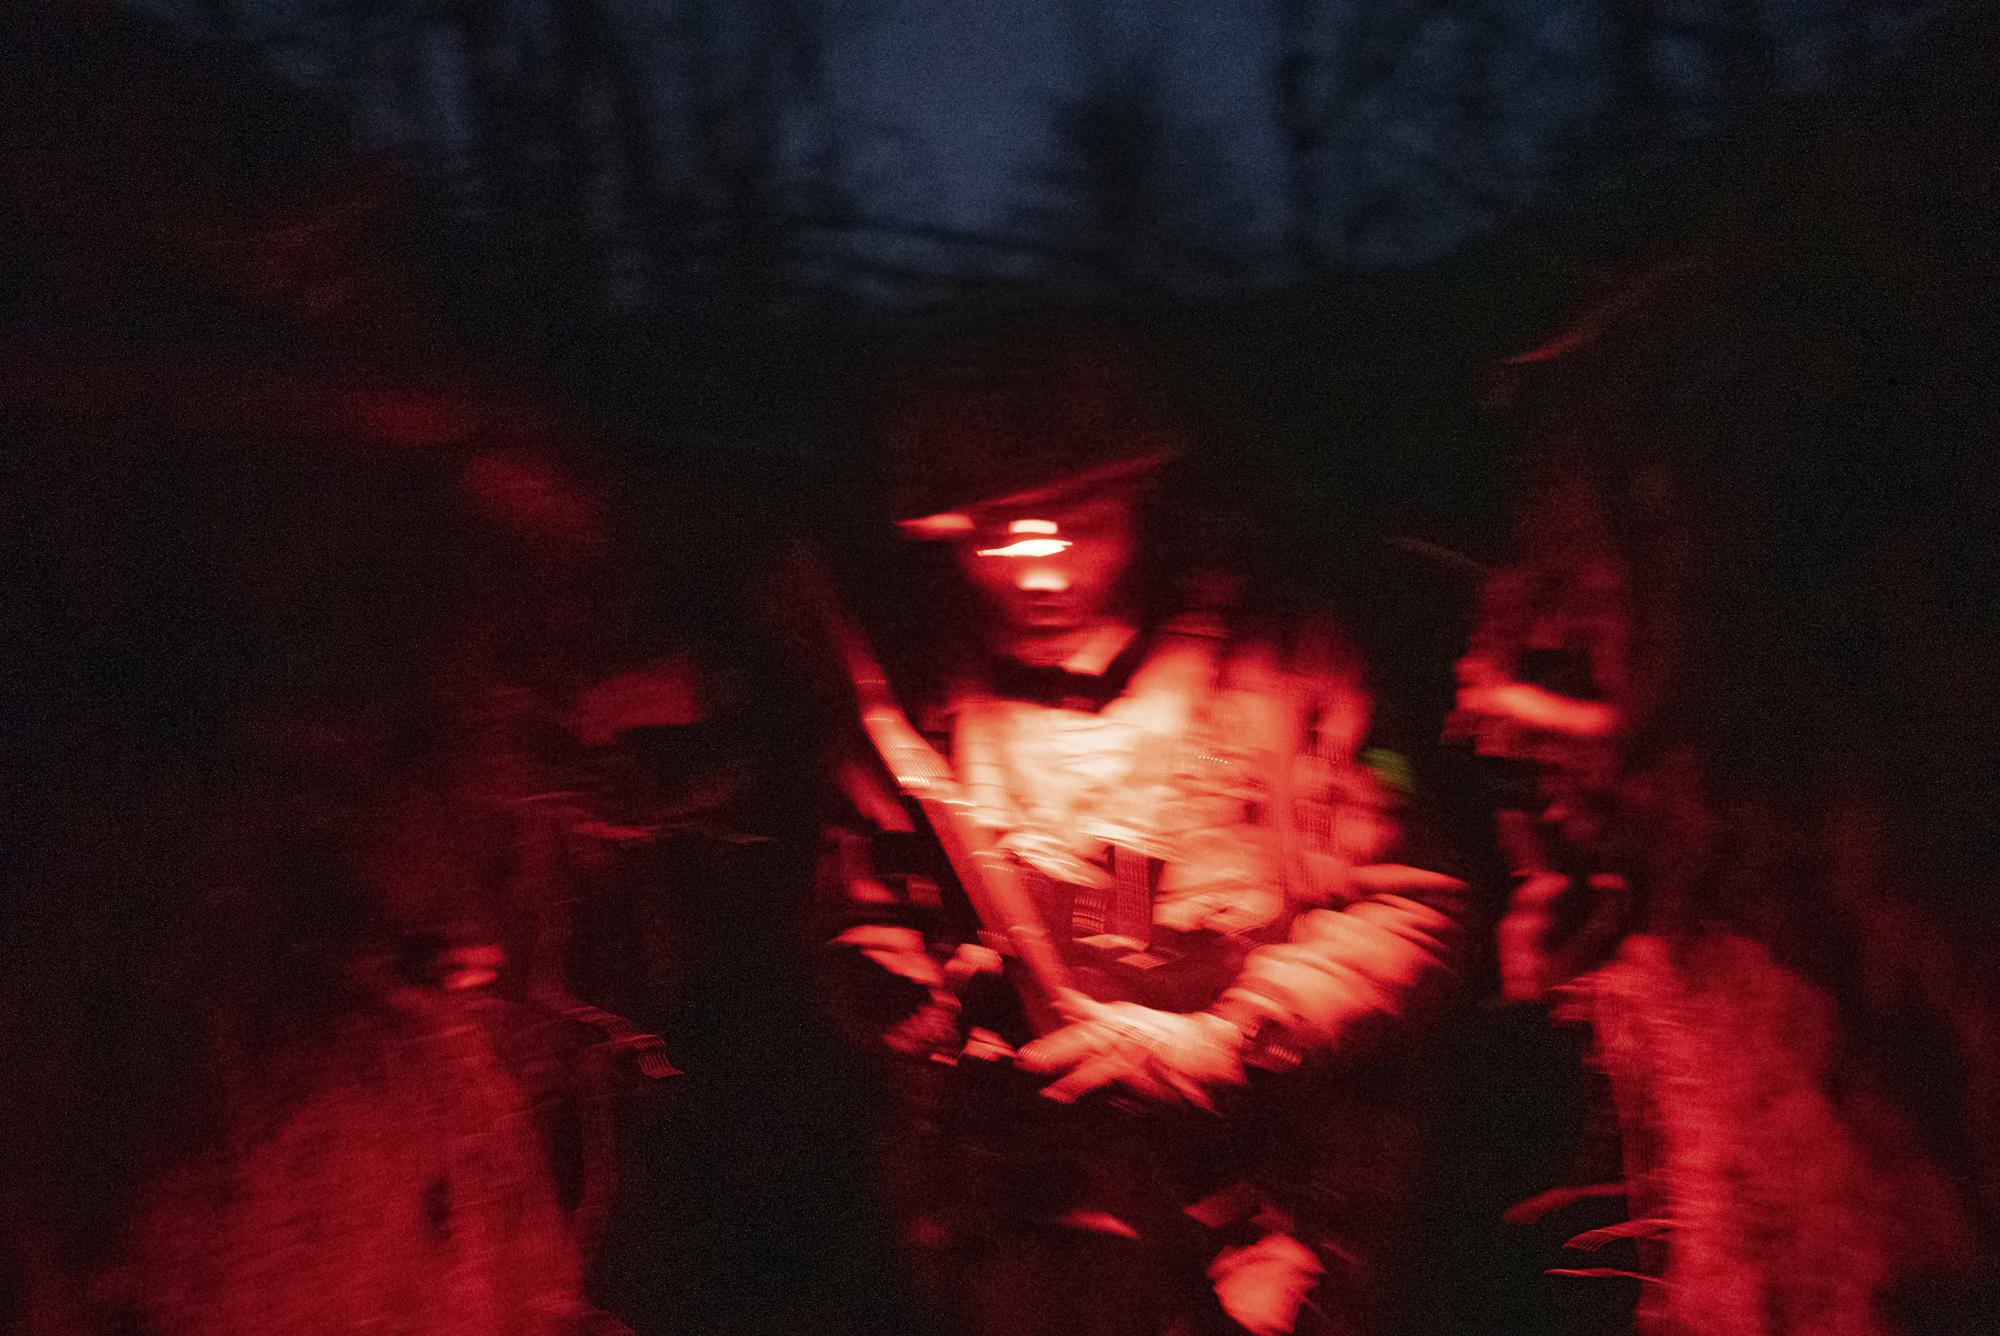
1170	812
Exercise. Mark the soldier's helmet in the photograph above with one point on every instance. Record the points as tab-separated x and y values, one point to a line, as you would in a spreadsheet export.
1030	412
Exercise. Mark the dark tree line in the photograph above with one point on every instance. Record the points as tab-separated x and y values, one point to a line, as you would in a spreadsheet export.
700	220
705	158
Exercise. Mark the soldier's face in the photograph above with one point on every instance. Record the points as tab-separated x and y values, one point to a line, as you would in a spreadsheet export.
1053	566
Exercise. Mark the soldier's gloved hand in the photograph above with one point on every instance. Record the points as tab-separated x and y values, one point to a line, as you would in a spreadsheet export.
1263	1285
1166	1057
942	1029
898	950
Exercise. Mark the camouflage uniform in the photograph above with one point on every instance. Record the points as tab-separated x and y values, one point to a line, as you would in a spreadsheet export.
1208	825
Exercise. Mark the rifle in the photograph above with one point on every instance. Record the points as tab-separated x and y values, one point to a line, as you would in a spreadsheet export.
987	874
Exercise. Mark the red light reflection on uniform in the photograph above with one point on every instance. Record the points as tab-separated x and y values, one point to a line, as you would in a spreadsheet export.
526	491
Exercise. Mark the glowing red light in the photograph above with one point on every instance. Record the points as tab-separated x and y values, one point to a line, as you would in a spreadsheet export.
1028	547
932	527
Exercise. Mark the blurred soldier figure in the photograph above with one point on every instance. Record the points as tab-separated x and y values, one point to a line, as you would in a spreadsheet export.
264	849
1129	1127
1743	663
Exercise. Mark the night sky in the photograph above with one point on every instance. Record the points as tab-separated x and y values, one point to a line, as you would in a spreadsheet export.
1432	121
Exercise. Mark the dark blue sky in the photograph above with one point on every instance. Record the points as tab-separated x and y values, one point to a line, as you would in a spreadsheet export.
1455	115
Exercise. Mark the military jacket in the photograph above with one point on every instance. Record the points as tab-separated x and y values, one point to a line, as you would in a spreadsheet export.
1209	824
